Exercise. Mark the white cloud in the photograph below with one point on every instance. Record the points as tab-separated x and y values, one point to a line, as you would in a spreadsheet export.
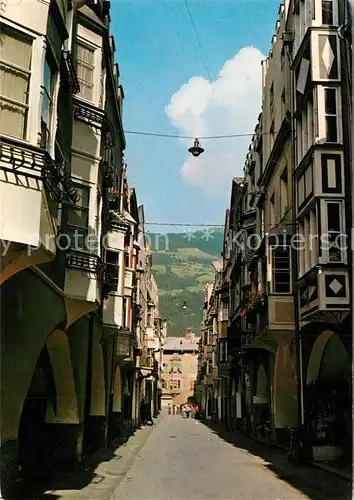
230	105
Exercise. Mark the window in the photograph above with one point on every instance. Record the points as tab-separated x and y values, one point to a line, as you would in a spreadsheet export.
283	104
178	384
112	269
85	69
331	115
281	270
78	216
334	231
15	66
47	105
162	383
284	191
271	95
327	12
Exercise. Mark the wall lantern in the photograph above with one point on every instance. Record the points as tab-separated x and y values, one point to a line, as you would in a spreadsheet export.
184	305
124	344
196	149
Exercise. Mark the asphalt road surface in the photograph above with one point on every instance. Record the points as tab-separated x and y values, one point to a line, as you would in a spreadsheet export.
185	460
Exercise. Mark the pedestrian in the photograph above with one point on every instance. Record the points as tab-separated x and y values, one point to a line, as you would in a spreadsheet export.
169	408
187	410
174	409
197	411
148	415
143	412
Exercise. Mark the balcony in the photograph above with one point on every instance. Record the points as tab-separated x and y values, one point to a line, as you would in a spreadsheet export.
26	174
82	286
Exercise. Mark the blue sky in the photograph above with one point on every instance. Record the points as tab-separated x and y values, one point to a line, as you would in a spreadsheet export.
158	52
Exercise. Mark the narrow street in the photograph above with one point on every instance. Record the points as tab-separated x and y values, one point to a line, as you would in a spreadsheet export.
175	464
172	460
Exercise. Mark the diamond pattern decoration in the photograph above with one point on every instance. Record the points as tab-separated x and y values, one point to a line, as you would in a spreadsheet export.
335	286
327	56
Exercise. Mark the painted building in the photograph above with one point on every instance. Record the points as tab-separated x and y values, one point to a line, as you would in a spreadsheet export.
179	368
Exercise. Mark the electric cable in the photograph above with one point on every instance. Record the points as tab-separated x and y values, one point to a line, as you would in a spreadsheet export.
207	137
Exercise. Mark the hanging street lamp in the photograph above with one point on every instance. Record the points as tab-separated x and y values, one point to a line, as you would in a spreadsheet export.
196	149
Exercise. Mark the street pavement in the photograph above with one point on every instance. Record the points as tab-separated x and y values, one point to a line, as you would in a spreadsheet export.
184	459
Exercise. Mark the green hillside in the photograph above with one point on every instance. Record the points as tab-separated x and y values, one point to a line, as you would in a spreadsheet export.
182	266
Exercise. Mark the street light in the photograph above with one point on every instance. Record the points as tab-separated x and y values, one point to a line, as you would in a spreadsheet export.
196	149
184	305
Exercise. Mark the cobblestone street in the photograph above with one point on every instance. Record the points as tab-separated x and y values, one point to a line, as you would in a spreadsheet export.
172	461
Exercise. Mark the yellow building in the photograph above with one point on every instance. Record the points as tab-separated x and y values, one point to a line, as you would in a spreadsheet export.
180	366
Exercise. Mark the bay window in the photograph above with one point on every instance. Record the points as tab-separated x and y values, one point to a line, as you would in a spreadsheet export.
15	73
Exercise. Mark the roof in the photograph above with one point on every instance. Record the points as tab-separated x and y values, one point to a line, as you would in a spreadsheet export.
181	343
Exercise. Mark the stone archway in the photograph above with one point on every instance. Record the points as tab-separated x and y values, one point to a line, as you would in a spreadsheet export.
65	409
285	410
261	396
328	360
98	386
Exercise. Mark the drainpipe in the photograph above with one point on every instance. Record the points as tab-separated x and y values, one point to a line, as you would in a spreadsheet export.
294	260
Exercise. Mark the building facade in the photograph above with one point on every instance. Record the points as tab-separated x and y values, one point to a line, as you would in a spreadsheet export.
179	368
71	237
286	357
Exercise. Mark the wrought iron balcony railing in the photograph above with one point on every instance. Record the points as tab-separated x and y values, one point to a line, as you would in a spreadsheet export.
32	162
68	75
84	261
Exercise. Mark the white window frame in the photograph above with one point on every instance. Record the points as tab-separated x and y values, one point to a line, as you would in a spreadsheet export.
95	76
337	115
77	206
334	12
25	106
271	276
325	225
37	58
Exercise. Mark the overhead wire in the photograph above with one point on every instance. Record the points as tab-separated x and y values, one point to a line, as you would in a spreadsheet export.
207	137
203	57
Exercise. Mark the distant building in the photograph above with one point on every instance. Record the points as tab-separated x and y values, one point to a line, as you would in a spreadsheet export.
180	365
